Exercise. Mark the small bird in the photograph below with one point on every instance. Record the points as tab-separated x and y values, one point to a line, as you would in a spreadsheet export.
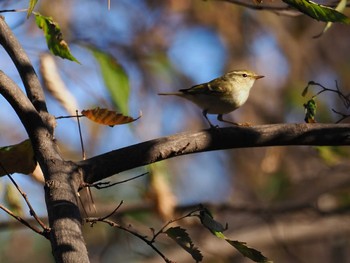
221	95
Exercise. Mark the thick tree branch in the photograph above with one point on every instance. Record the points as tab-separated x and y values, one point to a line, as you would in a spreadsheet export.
108	164
30	79
62	178
20	103
23	65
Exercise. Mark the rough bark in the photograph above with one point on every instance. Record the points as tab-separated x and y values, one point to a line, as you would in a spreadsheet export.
108	164
62	178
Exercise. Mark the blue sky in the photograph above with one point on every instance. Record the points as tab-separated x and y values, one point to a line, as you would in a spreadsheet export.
197	52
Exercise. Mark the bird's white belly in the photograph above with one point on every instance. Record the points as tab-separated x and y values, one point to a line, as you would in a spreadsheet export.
215	105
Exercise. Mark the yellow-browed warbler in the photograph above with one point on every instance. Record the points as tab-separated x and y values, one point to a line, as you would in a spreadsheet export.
221	95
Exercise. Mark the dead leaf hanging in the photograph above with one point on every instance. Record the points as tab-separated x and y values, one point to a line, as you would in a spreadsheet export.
108	117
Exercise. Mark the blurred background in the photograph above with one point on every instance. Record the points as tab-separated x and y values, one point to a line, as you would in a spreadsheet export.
290	203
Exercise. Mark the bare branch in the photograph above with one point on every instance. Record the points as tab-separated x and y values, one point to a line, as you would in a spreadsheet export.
20	103
93	221
23	221
108	164
24	195
30	80
103	185
23	65
62	178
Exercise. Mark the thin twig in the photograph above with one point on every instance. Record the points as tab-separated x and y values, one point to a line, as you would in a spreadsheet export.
22	221
134	233
46	230
113	212
344	116
24	195
69	116
13	10
344	98
102	185
161	230
81	137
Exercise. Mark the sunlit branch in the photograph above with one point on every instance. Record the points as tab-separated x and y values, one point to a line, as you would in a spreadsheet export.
20	59
111	163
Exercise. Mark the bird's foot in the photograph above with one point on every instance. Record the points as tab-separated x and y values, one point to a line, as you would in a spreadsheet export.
244	124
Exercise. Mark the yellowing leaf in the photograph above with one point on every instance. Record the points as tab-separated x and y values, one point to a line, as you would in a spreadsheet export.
17	158
31	6
54	38
107	117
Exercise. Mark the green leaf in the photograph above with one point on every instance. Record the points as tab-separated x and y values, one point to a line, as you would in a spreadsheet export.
318	12
31	6
248	252
208	221
180	236
54	38
340	7
310	111
115	79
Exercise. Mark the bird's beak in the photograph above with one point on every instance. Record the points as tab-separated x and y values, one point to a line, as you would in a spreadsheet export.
258	77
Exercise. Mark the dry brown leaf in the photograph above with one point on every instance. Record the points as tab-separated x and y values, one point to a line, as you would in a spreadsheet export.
108	117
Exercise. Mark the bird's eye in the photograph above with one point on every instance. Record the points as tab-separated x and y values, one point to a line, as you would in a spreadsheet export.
244	75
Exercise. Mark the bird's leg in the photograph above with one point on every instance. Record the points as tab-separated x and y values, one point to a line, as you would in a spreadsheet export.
231	122
205	112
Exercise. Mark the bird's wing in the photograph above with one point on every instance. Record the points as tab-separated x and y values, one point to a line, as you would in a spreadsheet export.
212	87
